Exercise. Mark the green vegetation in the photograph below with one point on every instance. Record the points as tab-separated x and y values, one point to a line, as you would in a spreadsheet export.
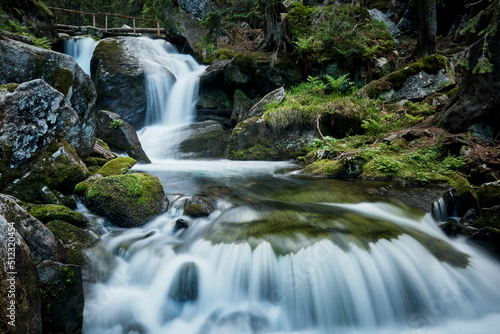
51	212
116	123
73	238
117	166
20	29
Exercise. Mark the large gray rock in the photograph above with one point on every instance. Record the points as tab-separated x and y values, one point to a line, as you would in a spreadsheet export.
22	62
377	15
42	243
35	119
62	297
214	104
276	96
202	140
119	135
26	315
198	8
241	106
119	81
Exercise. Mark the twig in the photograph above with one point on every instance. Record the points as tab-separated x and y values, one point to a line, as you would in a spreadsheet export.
319	131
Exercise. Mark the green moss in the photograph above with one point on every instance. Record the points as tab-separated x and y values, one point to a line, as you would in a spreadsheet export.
326	168
117	166
127	200
49	212
488	195
452	92
102	143
62	80
256	152
75	240
10	87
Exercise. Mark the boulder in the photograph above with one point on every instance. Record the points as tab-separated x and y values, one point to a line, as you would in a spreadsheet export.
276	96
198	206
50	212
118	166
488	194
187	33
415	82
185	284
61	296
252	139
24	283
215	105
489	238
180	224
198	8
346	167
74	239
119	135
126	200
119	81
377	15
241	106
203	140
41	242
22	62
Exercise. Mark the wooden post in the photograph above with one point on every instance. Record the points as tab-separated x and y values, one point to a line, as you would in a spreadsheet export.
106	24
93	20
134	25
158	27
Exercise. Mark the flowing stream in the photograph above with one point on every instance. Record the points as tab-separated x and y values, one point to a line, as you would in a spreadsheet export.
81	48
281	253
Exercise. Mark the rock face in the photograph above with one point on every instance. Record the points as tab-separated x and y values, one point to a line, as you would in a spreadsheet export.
414	82
198	8
377	15
252	139
276	96
33	14
119	135
22	62
215	105
42	243
24	284
119	81
34	121
62	297
126	200
203	140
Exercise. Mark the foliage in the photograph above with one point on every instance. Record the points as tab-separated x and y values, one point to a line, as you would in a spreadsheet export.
324	34
20	29
116	123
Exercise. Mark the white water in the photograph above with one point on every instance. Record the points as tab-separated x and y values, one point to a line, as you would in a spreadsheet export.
81	48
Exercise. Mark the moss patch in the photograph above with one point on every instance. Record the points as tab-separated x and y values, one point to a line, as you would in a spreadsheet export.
117	166
488	195
74	239
9	87
62	80
50	212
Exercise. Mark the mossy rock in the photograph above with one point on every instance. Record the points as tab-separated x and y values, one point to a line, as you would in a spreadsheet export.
82	187
465	196
50	212
74	239
488	195
62	80
126	200
117	166
343	168
490	218
198	206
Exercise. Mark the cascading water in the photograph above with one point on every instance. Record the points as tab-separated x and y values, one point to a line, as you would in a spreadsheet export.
280	253
81	48
172	84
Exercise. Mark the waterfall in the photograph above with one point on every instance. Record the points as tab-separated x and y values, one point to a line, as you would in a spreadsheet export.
172	85
81	48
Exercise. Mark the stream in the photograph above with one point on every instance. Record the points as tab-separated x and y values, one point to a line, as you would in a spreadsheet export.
281	252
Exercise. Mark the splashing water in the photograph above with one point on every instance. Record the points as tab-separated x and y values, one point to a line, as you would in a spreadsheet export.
81	48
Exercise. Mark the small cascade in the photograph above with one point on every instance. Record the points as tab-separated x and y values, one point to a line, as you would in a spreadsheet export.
81	48
172	85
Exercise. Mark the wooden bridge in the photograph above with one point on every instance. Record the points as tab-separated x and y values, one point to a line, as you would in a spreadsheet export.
132	29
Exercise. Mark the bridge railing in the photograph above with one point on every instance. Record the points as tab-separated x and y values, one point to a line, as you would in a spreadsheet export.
106	15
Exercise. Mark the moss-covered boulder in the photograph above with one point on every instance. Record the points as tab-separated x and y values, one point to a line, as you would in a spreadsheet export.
62	297
74	239
119	81
488	194
49	212
203	140
42	243
464	195
343	168
22	63
126	200
198	206
119	135
414	82
117	166
19	314
82	187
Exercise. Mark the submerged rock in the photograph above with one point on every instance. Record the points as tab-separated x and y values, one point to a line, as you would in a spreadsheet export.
126	200
198	206
25	315
119	135
22	63
185	284
62	297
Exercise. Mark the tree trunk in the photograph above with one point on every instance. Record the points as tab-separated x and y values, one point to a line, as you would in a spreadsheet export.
427	28
476	105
